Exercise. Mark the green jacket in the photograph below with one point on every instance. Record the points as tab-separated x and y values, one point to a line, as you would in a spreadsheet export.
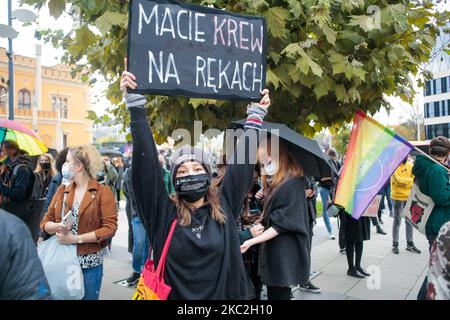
433	181
168	182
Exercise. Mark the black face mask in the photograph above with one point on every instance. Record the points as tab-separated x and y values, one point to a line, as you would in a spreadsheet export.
192	188
45	165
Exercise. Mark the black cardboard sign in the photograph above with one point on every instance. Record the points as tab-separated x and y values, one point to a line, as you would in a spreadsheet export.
195	51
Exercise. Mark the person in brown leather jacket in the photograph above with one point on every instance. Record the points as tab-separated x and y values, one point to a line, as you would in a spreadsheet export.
93	210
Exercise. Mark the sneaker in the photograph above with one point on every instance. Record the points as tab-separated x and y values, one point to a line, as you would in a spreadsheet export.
380	230
395	248
381	221
309	288
412	248
342	250
331	237
133	279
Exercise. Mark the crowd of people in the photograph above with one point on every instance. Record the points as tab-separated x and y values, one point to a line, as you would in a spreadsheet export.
244	227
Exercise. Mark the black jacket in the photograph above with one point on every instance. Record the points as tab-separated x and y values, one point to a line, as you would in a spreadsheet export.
21	273
285	259
20	187
54	185
204	259
129	194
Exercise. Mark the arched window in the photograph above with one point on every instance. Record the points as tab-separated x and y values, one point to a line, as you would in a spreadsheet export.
24	99
3	96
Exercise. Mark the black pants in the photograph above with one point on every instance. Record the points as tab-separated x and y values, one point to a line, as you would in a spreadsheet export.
278	293
353	247
341	236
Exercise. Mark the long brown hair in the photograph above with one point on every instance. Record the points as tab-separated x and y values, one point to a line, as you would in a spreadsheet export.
288	168
185	210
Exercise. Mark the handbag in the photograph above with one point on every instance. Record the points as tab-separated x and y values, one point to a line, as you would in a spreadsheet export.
418	209
62	267
151	285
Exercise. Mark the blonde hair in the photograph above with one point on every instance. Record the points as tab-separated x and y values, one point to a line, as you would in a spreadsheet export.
184	210
89	157
49	157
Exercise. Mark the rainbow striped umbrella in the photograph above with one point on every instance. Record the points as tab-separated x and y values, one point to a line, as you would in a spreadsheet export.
24	137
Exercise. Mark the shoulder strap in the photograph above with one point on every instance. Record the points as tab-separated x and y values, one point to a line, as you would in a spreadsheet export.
16	168
162	261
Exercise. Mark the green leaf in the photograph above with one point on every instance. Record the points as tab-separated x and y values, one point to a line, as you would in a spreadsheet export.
91	115
364	22
296	8
195	103
293	50
56	7
354	95
312	117
320	90
272	78
396	53
349	5
93	6
276	21
338	63
302	65
330	34
360	73
85	37
109	19
350	35
341	93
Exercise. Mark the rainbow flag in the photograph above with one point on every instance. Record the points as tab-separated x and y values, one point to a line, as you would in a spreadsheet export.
374	153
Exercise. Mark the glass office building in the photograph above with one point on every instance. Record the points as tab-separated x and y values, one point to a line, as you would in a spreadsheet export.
436	109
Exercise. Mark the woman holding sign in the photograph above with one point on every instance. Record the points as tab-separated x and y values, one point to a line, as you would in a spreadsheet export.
203	260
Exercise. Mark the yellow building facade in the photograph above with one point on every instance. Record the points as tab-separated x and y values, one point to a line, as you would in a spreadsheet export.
60	114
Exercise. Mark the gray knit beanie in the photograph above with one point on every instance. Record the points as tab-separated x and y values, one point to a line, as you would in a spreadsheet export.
185	154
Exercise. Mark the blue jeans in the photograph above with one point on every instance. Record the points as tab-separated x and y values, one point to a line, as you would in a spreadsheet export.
141	245
324	195
92	282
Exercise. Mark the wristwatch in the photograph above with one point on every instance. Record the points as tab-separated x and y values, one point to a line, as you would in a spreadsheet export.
79	240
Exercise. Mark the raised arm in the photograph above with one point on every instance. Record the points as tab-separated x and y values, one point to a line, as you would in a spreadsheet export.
154	206
240	167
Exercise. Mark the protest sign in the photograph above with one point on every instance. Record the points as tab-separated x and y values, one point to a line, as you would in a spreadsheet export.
372	209
196	51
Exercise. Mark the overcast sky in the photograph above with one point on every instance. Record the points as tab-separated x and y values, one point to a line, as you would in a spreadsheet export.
24	45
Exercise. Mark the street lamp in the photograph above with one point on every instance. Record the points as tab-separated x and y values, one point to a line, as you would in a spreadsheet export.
7	31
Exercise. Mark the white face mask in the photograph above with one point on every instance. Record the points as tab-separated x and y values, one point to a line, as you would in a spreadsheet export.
271	168
67	173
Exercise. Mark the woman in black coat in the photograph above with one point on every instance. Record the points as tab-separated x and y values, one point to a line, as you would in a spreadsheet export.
285	250
354	233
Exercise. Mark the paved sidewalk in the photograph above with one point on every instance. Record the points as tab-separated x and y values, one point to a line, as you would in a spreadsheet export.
400	275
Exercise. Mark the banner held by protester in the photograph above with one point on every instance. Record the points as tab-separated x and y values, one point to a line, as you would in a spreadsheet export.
195	51
373	154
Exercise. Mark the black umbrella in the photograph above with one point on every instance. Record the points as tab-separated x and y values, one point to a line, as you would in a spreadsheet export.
110	152
314	161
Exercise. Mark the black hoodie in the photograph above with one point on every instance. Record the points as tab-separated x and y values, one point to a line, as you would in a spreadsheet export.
204	259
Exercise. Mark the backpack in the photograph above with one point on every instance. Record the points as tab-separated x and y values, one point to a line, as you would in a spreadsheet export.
36	188
31	209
